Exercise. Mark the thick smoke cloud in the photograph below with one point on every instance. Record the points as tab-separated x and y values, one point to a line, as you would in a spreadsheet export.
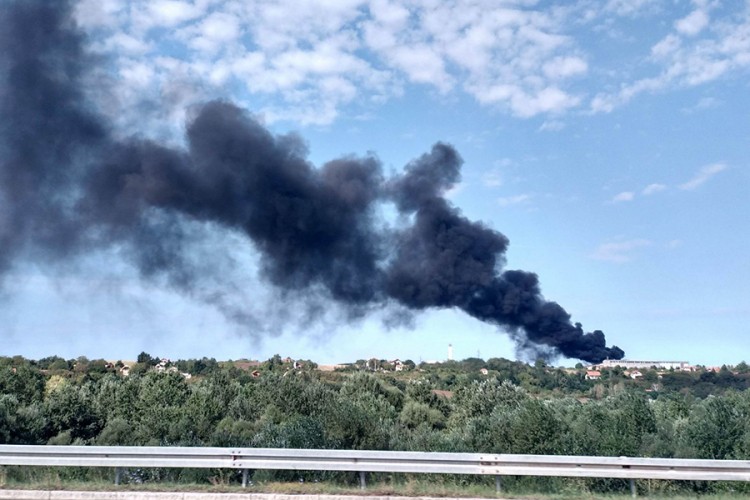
67	187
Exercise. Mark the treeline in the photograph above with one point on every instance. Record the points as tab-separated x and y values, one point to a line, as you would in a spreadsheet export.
304	408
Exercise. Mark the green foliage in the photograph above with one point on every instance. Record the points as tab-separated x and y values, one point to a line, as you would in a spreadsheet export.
497	406
415	414
716	427
117	432
22	380
145	358
230	432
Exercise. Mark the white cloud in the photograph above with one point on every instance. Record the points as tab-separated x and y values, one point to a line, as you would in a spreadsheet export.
99	13
137	74
693	23
624	196
703	176
667	46
493	178
697	52
703	104
123	44
520	199
653	189
620	251
212	33
421	64
519	56
169	13
607	102
507	55
561	67
628	7
551	126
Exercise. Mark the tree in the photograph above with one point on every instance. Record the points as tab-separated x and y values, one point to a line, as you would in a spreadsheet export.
472	364
536	429
159	408
207	404
231	432
481	398
146	359
117	432
634	422
52	363
71	408
715	426
415	414
8	416
22	380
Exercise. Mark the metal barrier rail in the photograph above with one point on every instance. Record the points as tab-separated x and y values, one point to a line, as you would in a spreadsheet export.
376	461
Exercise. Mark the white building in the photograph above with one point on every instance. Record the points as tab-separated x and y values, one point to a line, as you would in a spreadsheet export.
631	363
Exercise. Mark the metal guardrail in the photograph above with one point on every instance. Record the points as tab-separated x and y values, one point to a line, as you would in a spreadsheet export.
376	461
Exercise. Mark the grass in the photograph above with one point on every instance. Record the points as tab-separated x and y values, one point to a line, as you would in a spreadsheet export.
383	485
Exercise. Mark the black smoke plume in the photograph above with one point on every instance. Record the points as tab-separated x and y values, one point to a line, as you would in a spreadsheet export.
67	187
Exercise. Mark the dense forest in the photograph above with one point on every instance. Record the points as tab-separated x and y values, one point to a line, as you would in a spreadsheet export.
497	406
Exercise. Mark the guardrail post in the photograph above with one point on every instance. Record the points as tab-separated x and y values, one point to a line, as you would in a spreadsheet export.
633	490
362	482
118	475
244	478
498	485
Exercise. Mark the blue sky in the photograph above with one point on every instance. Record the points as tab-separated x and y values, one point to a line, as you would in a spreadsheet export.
608	140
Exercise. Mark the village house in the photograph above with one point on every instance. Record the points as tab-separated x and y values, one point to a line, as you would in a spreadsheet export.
634	374
593	374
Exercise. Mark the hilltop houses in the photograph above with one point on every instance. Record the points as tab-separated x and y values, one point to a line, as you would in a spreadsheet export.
634	364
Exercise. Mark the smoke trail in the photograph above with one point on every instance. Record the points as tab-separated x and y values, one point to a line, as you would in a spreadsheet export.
67	188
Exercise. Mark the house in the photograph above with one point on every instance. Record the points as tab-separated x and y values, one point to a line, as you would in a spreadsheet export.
593	374
484	371
631	363
635	374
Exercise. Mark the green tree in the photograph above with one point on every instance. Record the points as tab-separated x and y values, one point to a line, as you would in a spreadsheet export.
8	418
146	359
71	408
21	380
481	398
159	408
117	432
415	414
715	426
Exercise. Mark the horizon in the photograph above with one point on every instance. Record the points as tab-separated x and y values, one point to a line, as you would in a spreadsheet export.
391	359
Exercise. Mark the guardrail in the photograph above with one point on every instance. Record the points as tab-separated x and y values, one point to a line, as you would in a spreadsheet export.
498	465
